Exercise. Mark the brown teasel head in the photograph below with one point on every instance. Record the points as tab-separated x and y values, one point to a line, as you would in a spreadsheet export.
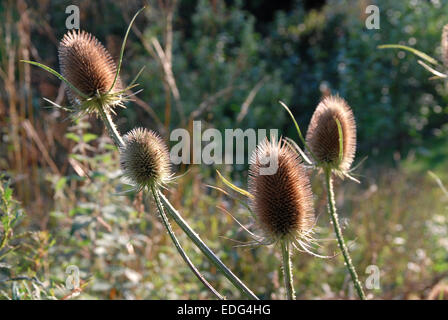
283	201
88	66
145	159
322	136
444	45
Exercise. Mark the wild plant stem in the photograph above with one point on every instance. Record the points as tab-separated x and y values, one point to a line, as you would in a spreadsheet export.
338	231
108	122
287	270
111	128
206	250
179	248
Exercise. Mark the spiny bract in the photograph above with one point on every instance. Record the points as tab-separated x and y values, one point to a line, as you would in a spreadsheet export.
145	158
323	135
283	201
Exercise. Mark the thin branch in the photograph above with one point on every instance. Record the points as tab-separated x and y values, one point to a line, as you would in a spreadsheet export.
250	98
31	132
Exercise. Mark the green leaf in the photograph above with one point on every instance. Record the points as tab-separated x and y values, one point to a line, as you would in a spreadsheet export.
418	53
89	137
60	184
437	74
57	74
54	104
341	140
298	130
137	76
8	193
122	48
234	187
294	120
72	136
294	146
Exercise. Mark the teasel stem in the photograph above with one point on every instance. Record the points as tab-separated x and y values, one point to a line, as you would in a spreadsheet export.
179	248
338	231
110	125
206	250
181	222
287	270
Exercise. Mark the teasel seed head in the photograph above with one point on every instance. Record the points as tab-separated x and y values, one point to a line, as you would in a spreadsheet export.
322	137
444	45
89	67
283	201
145	159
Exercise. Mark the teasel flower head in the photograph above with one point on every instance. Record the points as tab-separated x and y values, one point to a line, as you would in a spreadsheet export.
444	45
88	66
331	135
144	159
281	200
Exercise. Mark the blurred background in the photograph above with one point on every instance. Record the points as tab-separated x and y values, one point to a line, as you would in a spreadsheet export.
226	63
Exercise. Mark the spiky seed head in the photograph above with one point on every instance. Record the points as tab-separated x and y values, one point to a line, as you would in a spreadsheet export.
144	158
283	201
87	65
322	136
444	45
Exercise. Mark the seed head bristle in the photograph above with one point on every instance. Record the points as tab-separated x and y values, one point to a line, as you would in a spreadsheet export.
145	158
322	136
87	65
283	201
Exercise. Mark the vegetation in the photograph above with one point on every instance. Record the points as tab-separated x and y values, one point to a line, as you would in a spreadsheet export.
64	202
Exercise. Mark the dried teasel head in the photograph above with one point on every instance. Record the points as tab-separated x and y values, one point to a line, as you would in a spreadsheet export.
145	159
322	137
89	67
444	45
282	201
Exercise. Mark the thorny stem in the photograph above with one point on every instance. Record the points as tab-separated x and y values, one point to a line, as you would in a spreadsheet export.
206	250
338	231
179	247
287	270
110	125
181	222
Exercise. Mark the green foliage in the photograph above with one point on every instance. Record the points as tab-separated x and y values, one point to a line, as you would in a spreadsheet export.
23	253
395	104
216	64
396	219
